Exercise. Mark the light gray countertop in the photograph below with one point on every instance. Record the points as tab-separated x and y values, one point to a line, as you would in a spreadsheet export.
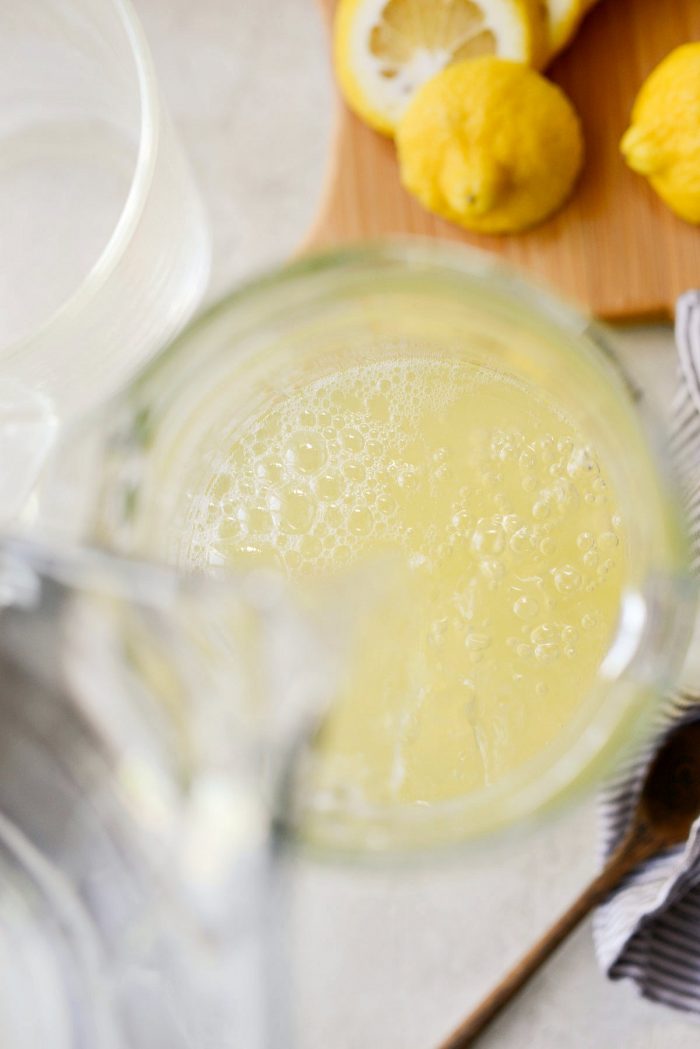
384	959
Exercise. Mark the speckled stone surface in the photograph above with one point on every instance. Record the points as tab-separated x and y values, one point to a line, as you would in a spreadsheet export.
384	959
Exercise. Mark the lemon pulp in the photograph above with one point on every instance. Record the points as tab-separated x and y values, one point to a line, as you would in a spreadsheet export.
511	545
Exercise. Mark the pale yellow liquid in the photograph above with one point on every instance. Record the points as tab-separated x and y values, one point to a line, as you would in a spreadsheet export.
512	555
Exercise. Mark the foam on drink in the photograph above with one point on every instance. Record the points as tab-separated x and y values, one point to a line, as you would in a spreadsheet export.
510	537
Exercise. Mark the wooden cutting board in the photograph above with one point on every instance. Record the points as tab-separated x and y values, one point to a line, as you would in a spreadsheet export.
615	248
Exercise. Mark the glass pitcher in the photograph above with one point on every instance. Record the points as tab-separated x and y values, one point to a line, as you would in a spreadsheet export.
142	774
131	480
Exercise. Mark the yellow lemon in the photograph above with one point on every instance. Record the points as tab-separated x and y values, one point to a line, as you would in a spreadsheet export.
491	145
385	49
663	140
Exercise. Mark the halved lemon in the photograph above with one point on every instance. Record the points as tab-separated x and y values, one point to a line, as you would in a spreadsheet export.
563	19
386	49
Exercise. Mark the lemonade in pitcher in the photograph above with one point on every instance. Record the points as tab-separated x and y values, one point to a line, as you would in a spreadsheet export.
409	413
511	544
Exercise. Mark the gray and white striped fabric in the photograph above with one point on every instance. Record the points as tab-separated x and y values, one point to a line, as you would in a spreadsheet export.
649	932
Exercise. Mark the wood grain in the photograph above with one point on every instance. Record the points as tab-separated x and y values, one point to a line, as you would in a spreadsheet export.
615	248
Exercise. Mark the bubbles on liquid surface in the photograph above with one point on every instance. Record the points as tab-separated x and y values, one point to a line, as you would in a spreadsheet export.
547	653
329	487
488	537
567	579
508	530
544	634
306	450
295	509
477	642
526	608
360	521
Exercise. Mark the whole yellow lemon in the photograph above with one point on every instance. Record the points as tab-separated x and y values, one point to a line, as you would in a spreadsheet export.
491	145
663	140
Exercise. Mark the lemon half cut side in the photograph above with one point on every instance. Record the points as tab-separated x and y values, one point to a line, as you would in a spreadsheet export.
386	49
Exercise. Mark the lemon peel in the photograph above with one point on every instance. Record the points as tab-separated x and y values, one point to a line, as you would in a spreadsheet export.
663	140
491	145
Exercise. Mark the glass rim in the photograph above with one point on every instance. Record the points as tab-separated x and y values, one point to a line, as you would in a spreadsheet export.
141	178
549	777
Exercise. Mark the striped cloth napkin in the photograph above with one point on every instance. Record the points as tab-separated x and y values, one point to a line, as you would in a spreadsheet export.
649	931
